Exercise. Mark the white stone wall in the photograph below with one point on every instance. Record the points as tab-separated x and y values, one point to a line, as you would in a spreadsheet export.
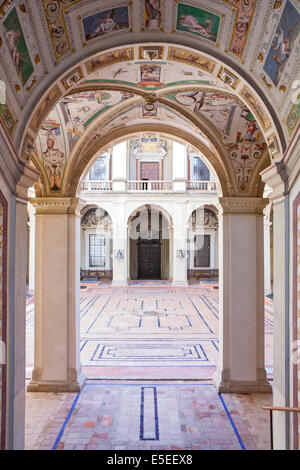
176	207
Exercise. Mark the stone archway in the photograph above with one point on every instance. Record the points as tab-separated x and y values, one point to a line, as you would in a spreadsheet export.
237	164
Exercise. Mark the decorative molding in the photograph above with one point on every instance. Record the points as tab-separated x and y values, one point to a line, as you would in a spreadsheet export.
58	205
228	77
243	205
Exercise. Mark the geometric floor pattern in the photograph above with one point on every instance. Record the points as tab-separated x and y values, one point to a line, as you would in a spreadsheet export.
147	415
152	332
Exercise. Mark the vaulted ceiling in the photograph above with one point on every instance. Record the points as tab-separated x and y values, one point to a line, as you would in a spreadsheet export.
223	71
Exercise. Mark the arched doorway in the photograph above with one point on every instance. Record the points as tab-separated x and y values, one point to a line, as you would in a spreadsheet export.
149	238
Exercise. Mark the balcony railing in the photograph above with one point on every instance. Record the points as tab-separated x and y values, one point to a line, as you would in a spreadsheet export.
103	186
154	186
201	186
96	186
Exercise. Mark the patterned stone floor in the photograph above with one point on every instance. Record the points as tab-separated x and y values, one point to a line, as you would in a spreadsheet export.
149	330
152	332
147	415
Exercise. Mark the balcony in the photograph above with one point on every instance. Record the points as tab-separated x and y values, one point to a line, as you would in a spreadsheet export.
101	186
201	186
149	186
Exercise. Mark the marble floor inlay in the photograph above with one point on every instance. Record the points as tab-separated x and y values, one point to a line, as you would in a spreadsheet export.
152	331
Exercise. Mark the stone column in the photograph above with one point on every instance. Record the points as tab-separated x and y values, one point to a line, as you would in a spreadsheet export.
281	332
119	245
275	177
267	250
31	211
179	244
57	365
17	326
241	365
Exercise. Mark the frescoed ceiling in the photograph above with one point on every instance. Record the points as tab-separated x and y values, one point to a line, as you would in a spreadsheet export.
72	65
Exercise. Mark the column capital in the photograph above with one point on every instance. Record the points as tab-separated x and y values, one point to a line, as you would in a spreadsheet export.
243	205
57	205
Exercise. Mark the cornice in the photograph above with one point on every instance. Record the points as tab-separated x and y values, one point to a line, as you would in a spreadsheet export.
243	205
58	205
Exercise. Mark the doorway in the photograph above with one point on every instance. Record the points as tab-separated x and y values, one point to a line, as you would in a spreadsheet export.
149	244
149	259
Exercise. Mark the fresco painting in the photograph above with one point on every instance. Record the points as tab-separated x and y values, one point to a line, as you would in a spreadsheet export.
150	75
7	118
109	58
242	24
66	123
191	58
17	47
253	102
51	145
44	107
105	22
238	127
197	21
293	116
54	14
153	14
282	44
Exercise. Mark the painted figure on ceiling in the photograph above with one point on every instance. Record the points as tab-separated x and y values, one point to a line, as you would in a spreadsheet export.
153	15
193	25
281	47
105	26
12	38
54	159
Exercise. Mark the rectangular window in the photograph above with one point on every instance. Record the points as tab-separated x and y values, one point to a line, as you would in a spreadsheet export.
202	251
201	172
98	170
97	251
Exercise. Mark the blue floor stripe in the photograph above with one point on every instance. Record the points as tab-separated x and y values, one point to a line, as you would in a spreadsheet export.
232	423
60	434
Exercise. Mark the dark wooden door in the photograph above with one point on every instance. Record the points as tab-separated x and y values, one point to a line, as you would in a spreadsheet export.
150	171
149	260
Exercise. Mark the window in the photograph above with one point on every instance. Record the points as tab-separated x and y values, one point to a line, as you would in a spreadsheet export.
201	172
98	170
202	251
97	251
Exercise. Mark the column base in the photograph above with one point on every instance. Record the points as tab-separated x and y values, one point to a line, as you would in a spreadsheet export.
180	283
40	385
240	386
